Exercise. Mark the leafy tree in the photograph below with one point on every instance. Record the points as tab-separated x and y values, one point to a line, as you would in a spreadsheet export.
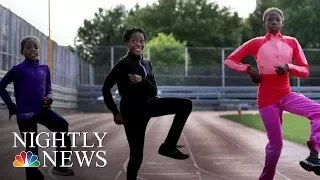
97	35
201	23
246	30
166	51
103	30
301	21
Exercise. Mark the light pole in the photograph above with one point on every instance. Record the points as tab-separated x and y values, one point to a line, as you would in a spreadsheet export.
49	43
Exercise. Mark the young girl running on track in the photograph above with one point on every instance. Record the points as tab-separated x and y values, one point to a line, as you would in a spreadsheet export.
138	89
32	88
274	53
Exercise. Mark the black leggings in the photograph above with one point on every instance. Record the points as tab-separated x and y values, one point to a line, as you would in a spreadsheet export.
54	123
136	115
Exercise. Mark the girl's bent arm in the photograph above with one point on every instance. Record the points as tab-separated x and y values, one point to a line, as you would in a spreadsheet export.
5	81
233	61
301	69
109	82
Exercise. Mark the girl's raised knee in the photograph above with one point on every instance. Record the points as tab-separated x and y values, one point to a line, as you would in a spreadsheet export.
188	104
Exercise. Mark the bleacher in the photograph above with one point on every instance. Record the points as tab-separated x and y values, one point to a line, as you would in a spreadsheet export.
230	97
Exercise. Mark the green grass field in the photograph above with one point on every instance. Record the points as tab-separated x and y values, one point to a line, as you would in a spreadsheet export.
294	128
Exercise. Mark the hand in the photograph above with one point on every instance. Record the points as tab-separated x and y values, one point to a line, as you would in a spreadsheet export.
46	101
118	119
254	75
134	78
281	70
11	113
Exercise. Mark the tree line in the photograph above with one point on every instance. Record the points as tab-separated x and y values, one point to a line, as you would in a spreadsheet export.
193	23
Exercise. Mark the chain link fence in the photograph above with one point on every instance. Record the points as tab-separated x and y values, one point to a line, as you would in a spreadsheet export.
197	66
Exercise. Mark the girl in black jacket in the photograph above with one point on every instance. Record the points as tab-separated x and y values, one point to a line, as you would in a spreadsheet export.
138	90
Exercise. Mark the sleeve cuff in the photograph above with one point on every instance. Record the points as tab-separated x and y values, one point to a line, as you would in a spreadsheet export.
50	97
248	68
289	66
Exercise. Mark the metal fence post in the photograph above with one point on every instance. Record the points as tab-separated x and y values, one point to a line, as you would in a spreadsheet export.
91	74
112	56
186	60
298	84
223	83
148	50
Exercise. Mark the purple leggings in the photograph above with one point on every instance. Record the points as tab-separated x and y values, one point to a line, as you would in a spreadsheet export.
272	119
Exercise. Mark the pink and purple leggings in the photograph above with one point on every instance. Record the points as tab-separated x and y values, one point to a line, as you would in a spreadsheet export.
272	118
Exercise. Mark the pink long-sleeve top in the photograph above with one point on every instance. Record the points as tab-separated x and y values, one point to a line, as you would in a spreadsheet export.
270	51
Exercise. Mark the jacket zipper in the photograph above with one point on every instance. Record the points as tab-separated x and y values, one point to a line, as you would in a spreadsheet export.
144	69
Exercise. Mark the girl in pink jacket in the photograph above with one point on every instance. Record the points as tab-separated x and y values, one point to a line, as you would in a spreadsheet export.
274	53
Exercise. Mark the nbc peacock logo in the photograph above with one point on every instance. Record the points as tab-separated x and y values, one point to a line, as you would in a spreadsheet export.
26	159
